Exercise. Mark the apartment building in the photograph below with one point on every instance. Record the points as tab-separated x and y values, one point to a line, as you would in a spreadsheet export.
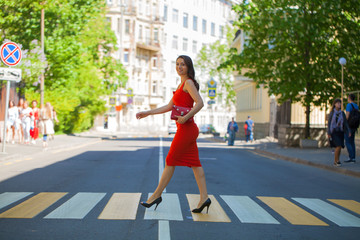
151	35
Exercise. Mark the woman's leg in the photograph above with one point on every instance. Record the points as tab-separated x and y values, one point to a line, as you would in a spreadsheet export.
164	181
337	154
201	182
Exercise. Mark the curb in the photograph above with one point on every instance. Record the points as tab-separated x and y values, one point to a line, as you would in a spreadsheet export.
309	163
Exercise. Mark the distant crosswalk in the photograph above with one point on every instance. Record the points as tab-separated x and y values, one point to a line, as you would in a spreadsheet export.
125	206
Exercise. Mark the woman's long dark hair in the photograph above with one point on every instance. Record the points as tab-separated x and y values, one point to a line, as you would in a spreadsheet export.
336	101
191	70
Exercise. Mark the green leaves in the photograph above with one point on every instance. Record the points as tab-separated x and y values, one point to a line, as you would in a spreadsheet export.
75	71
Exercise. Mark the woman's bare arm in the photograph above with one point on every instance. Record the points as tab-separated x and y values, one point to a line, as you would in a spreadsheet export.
163	109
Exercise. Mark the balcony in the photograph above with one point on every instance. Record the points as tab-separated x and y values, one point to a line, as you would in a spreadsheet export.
149	44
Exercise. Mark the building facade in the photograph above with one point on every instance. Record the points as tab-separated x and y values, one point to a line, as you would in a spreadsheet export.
151	35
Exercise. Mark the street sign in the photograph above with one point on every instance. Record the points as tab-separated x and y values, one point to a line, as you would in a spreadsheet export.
212	93
10	74
10	54
212	83
112	101
211	102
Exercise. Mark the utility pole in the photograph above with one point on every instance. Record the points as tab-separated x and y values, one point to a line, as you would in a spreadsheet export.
42	78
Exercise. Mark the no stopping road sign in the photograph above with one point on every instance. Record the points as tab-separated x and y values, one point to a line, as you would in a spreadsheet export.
10	54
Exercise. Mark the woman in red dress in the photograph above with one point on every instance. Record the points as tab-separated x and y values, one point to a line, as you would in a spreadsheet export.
183	150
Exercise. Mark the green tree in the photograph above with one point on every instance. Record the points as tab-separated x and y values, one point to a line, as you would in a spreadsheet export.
293	48
78	47
208	61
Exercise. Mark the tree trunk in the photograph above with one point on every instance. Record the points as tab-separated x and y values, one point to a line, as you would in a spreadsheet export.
307	124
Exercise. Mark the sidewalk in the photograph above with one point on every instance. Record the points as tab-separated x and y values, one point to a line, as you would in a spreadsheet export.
316	157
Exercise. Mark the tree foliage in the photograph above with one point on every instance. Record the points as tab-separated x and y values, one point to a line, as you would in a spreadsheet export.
208	61
293	48
79	68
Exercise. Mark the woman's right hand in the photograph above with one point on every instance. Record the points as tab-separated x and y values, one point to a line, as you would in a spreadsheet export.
141	115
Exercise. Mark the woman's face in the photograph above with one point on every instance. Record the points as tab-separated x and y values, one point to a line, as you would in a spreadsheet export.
181	67
34	104
11	104
25	105
338	105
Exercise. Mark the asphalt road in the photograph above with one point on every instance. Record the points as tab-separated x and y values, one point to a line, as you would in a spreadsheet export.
93	193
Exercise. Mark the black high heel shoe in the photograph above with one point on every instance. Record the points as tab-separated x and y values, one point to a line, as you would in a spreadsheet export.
205	204
156	201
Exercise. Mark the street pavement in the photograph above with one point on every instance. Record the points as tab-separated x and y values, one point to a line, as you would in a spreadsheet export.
88	186
316	157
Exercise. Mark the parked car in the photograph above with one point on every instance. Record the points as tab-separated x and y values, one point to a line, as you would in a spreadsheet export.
172	128
207	129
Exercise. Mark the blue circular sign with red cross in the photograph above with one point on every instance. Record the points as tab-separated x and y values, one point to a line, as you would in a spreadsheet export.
10	53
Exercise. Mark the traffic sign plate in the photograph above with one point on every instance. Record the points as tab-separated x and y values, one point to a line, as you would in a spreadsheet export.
10	74
212	93
10	54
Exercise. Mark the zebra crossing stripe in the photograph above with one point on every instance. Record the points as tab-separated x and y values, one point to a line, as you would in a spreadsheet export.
33	206
247	210
169	209
121	206
77	207
216	212
291	212
330	212
8	198
349	204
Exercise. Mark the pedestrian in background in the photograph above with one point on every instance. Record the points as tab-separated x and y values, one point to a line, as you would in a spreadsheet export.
12	122
25	116
249	130
47	126
183	150
34	128
353	125
21	130
232	129
337	126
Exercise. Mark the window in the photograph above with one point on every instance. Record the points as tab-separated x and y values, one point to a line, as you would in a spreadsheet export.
126	56
140	7
147	8
165	13
221	31
147	35
185	44
154	62
175	42
173	66
195	23
185	20
119	25
140	32
109	2
175	15
156	35
204	26
127	26
154	87
194	47
213	29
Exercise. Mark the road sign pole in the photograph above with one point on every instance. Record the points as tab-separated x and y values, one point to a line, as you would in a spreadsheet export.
6	115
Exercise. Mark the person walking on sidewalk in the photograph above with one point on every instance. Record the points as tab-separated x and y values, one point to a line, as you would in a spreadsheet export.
47	126
25	116
34	129
232	129
337	125
183	150
249	130
352	116
12	123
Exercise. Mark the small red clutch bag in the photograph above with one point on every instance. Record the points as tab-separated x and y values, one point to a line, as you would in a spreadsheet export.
180	111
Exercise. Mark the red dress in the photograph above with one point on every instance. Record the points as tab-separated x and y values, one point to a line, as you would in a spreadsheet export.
183	150
34	133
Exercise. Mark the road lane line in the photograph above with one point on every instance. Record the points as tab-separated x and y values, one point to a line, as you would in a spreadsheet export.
121	206
164	230
169	209
291	212
334	214
216	212
247	210
77	207
8	198
33	206
348	204
161	160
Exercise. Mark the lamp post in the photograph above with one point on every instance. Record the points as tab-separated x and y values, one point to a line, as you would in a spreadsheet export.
342	62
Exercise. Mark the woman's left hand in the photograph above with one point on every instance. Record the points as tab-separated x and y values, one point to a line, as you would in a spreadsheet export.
181	119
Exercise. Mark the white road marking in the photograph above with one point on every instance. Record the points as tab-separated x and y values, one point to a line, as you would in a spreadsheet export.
164	230
247	210
8	198
330	212
169	209
77	207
